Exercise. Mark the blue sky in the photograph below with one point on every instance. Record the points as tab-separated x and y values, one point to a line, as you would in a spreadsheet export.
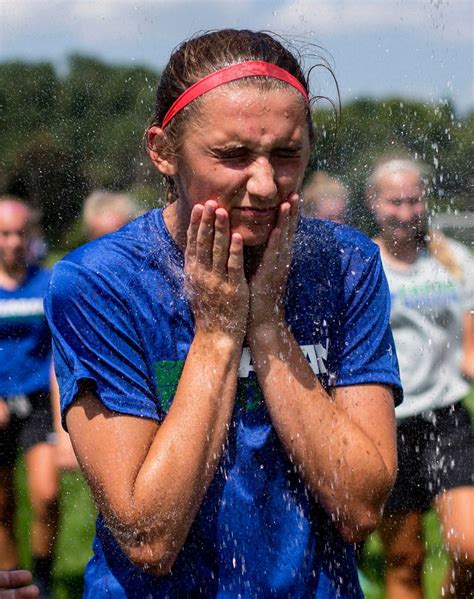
421	49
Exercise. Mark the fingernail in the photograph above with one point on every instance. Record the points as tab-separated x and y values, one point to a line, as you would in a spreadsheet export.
209	209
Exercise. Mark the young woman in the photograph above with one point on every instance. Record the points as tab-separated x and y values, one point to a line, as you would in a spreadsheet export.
221	362
431	281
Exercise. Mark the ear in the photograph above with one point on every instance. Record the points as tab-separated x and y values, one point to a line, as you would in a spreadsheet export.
159	153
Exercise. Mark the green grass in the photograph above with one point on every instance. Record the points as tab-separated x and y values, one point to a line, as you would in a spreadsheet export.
77	530
77	523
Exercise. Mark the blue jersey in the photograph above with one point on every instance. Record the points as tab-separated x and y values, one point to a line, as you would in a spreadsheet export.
25	340
120	319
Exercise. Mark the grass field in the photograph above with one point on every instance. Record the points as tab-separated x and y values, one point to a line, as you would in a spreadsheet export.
77	530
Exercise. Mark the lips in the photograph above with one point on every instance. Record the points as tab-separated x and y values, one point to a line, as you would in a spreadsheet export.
256	212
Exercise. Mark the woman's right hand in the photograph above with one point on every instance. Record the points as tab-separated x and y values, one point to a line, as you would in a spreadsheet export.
214	266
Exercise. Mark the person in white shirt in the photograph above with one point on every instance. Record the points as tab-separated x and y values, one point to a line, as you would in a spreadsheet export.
431	280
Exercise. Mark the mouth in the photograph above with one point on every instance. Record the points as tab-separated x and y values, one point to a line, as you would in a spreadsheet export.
256	213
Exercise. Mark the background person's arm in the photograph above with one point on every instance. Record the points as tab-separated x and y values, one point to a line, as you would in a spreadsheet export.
65	456
468	345
4	413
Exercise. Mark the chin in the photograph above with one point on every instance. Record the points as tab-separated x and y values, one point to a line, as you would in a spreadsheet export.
253	233
254	238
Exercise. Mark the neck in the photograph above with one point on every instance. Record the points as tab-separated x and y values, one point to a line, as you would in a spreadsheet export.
404	253
176	217
12	277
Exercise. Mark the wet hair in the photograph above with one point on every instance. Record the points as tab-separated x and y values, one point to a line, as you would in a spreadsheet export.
434	241
202	55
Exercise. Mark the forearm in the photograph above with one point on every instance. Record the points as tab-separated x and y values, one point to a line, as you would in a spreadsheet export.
337	460
468	345
181	461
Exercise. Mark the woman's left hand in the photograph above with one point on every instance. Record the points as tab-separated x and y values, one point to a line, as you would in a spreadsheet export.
267	286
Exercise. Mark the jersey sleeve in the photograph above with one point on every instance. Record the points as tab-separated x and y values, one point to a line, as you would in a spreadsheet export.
367	347
95	340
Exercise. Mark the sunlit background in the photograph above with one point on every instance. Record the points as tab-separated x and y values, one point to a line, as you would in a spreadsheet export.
421	49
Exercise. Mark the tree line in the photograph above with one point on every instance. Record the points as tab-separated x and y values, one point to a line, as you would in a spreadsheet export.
64	134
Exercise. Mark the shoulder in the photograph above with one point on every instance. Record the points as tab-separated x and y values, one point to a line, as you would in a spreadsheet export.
336	246
331	236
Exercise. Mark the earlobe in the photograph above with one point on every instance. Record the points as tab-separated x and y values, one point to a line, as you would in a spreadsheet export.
157	151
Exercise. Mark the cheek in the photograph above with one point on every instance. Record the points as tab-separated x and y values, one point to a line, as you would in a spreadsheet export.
382	213
420	211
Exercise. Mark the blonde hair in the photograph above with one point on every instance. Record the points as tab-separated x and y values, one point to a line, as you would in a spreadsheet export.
100	201
322	186
438	247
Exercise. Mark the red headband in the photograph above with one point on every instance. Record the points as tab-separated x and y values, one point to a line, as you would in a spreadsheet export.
250	68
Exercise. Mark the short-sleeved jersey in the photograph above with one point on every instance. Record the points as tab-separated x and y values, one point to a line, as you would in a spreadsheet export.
428	307
120	319
25	340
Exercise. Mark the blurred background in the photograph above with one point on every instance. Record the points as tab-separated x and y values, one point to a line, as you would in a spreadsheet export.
77	81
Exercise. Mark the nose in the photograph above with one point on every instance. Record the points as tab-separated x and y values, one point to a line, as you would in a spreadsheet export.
261	182
14	240
405	212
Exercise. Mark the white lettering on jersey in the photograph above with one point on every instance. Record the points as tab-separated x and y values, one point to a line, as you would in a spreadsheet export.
316	355
13	308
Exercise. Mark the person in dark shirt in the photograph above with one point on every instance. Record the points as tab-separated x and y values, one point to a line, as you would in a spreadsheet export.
26	420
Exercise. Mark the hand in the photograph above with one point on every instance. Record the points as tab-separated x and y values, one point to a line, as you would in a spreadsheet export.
214	267
15	584
4	413
267	286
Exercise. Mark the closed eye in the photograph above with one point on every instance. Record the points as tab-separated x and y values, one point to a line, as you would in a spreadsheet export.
237	153
241	155
287	153
237	158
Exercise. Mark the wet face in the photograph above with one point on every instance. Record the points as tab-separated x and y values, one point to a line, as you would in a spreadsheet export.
247	151
399	207
14	236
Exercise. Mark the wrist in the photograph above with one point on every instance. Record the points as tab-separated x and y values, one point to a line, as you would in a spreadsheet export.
267	332
220	341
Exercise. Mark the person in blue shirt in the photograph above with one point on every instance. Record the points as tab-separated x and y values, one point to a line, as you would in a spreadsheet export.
26	417
226	368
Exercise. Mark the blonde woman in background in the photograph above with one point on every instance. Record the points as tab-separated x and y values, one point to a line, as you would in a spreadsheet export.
106	211
325	197
431	280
